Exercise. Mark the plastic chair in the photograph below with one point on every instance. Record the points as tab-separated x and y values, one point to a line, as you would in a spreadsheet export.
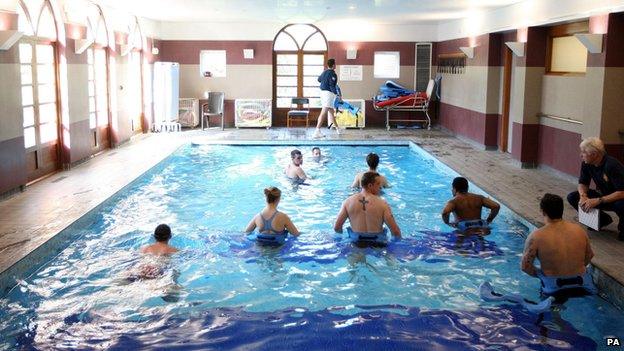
214	107
297	112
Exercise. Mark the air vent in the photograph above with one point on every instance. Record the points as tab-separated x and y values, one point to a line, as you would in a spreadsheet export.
422	73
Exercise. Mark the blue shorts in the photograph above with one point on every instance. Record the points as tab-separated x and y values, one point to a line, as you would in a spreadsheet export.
373	238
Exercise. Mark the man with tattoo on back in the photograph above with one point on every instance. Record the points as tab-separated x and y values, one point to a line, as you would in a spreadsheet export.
366	211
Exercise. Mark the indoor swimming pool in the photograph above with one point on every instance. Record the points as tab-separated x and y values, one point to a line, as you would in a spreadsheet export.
317	291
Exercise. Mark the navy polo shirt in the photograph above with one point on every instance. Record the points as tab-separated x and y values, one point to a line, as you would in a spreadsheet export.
328	80
608	176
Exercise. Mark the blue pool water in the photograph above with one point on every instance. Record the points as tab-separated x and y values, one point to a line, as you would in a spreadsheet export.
317	291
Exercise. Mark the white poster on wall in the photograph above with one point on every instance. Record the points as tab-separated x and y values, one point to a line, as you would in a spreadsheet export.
350	72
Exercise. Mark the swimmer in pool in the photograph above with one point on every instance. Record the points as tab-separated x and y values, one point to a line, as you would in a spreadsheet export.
372	160
270	220
366	211
316	154
294	170
467	208
161	247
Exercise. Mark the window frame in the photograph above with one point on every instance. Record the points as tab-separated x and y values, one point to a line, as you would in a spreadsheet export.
563	30
397	54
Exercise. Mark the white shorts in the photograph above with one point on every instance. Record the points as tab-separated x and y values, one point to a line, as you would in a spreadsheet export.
327	98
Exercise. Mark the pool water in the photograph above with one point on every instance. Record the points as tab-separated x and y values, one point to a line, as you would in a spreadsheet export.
317	291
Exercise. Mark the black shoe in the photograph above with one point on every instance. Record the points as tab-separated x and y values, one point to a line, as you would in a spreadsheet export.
605	220
329	126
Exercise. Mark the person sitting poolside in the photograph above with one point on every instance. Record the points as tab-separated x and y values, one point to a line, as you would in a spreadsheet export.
366	211
372	160
563	250
467	209
294	170
161	247
608	175
270	221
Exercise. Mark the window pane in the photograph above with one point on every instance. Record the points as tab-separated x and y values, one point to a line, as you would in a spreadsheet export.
25	53
311	81
26	72
92	120
92	104
284	42
47	113
300	32
286	70
45	74
316	102
47	28
45	54
91	88
286	59
386	64
316	43
102	118
23	25
101	36
286	91
91	75
27	95
47	132
29	137
568	55
312	70
29	116
90	56
287	81
283	102
311	92
310	59
46	93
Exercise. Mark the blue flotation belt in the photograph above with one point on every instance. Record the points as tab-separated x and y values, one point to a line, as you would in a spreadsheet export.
487	293
472	224
553	285
270	239
373	238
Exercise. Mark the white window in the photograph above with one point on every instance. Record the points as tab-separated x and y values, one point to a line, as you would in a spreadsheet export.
212	63
387	64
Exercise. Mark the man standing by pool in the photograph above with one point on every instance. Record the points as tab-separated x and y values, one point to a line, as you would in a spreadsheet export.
467	207
294	170
563	249
366	211
329	93
608	175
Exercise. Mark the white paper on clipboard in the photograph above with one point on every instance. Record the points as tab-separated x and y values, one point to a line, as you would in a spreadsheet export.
590	219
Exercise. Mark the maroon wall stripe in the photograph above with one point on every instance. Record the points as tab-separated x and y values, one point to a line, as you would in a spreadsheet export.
366	51
187	51
482	49
12	164
559	149
495	49
525	138
537	40
477	126
615	41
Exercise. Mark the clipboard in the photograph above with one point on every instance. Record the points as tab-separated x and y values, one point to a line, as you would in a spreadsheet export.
590	218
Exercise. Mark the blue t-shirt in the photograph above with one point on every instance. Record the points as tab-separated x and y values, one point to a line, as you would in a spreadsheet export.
608	176
328	80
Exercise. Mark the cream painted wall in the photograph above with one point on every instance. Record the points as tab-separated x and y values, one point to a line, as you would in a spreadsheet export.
532	94
241	81
78	76
564	96
11	125
593	99
516	101
467	90
494	89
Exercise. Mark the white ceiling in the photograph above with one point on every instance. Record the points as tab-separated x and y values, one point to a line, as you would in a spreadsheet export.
290	11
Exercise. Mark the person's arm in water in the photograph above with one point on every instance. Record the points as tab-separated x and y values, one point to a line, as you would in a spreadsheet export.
446	213
301	174
342	217
356	181
493	206
391	222
251	226
291	227
529	256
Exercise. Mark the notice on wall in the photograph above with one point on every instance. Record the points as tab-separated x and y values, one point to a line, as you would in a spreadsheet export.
350	72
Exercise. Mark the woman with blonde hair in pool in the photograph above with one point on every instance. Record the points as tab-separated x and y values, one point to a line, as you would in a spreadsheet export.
270	221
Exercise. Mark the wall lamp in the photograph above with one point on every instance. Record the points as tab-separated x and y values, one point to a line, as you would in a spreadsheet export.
248	54
8	38
351	54
593	42
468	51
517	47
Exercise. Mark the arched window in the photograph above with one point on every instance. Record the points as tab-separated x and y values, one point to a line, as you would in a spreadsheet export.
98	80
299	55
135	83
39	87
